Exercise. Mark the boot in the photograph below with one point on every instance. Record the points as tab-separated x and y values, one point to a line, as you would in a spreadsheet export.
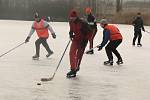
71	74
35	57
90	52
139	44
49	54
110	62
119	61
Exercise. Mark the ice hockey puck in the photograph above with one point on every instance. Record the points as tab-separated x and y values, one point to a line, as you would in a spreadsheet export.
38	83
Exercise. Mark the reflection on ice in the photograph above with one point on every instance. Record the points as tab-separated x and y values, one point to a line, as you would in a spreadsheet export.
81	89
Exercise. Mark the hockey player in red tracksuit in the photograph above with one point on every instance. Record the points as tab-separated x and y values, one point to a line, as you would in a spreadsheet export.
114	36
79	34
41	27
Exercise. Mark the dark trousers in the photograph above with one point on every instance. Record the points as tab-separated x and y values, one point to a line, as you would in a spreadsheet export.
42	41
137	34
92	38
111	47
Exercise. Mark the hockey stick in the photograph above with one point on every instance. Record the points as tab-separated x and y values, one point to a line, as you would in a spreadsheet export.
50	78
12	49
92	48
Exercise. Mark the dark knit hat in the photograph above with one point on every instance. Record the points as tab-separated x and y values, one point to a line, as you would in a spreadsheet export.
73	13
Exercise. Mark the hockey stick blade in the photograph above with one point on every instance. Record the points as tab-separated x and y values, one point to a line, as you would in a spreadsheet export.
46	79
92	48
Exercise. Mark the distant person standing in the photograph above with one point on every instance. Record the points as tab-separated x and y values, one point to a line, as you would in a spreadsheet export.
112	34
138	25
41	27
92	23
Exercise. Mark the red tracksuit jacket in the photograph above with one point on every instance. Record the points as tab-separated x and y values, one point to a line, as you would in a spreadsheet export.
81	32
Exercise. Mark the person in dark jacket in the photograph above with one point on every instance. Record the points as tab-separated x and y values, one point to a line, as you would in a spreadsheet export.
79	34
92	23
112	34
138	25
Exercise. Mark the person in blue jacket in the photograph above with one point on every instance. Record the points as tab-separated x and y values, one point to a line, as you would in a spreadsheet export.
112	34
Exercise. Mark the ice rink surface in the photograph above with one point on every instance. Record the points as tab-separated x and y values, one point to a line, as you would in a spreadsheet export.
19	74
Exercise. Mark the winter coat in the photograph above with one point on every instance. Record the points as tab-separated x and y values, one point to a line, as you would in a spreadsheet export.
92	21
138	24
80	30
114	32
111	33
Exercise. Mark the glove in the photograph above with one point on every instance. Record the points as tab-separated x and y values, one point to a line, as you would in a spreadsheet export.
27	39
99	47
53	35
143	29
71	35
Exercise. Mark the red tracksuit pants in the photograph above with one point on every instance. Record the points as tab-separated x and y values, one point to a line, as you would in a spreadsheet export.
76	53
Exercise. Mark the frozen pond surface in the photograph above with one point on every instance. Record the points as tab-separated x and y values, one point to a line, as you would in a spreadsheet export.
19	74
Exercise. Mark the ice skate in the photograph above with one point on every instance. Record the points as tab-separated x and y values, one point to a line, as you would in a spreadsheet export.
35	57
108	63
90	52
71	74
119	62
49	54
139	45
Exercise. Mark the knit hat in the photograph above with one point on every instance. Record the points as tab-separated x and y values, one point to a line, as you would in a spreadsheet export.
88	10
73	13
103	21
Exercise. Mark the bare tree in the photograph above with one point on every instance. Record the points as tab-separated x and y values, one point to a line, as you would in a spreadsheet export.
118	5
